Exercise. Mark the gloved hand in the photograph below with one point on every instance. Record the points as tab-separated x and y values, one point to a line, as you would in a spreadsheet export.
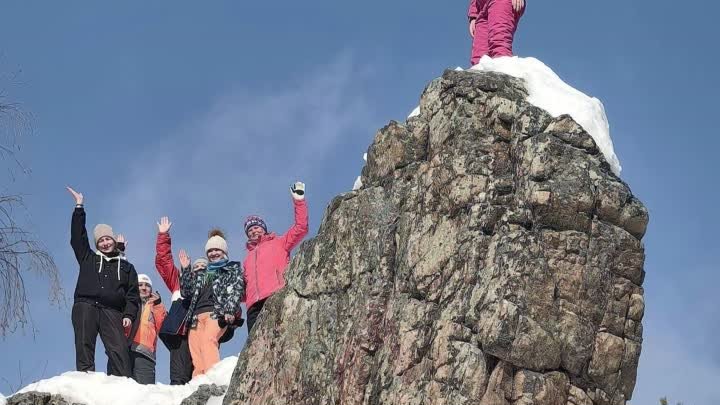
297	191
156	299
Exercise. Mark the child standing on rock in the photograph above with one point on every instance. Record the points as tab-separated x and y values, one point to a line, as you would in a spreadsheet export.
144	332
216	288
492	27
106	298
268	255
173	332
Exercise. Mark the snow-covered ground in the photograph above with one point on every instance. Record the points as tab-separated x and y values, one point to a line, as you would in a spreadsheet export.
549	92
100	389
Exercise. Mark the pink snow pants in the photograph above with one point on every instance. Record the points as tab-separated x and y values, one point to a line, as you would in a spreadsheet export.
495	25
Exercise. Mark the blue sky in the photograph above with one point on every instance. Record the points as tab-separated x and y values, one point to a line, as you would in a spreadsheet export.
207	112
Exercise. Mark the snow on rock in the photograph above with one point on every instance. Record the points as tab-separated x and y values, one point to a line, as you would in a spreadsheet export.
100	389
550	93
414	112
358	182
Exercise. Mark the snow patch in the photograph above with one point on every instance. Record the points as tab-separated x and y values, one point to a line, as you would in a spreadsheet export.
547	91
99	389
358	182
553	95
414	112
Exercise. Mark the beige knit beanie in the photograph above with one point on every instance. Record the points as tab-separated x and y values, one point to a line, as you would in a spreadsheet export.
216	241
102	230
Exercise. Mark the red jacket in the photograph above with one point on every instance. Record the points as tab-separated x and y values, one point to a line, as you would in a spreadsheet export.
268	258
166	266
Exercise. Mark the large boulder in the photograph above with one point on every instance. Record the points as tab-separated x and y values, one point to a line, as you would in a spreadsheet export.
491	257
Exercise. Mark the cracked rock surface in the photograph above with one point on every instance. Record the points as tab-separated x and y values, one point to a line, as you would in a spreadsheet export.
491	257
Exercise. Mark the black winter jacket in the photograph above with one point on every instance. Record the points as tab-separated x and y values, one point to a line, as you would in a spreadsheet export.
110	282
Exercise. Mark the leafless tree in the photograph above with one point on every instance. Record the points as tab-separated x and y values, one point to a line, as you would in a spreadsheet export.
21	253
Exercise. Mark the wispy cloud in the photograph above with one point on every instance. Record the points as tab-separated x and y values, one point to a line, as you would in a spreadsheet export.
239	157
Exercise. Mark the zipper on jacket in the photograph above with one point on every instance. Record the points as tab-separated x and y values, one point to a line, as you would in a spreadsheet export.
257	284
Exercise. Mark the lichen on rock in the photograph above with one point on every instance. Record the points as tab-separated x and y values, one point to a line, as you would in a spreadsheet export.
491	256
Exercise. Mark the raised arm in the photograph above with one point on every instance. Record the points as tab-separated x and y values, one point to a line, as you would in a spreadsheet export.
164	262
188	277
78	232
299	229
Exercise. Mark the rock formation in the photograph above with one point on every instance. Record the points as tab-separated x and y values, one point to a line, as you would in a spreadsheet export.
491	257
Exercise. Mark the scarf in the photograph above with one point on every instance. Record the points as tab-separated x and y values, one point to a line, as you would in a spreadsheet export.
212	270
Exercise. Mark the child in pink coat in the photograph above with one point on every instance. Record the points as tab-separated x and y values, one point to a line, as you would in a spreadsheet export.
492	26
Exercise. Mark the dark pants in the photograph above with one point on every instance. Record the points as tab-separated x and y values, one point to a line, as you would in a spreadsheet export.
181	366
143	368
253	313
88	320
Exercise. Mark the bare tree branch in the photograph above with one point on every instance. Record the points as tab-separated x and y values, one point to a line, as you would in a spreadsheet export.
21	253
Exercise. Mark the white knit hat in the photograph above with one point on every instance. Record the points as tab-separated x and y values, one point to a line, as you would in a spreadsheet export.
102	230
144	278
216	242
202	260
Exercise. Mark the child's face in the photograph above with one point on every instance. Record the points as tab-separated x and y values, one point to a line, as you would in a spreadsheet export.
106	244
215	254
255	232
145	290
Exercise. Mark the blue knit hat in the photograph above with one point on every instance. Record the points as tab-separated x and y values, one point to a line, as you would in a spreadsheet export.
254	220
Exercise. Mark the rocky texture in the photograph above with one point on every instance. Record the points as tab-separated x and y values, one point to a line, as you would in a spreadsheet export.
490	258
200	397
203	394
37	398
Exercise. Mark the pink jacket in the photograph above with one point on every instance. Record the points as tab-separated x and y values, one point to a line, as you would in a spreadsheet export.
474	10
267	259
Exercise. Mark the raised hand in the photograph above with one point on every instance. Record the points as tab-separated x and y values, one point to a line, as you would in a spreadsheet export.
184	259
297	191
155	297
122	243
164	225
518	5
77	196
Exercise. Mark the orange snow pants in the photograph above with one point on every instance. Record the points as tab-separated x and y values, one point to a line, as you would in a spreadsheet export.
204	345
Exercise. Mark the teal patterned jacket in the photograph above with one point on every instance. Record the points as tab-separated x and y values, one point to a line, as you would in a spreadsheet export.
228	290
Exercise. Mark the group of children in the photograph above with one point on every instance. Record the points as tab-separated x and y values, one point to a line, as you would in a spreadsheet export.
112	300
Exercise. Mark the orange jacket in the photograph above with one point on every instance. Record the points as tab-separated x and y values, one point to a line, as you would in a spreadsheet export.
151	319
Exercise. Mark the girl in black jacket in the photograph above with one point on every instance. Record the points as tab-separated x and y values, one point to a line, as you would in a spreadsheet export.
106	296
